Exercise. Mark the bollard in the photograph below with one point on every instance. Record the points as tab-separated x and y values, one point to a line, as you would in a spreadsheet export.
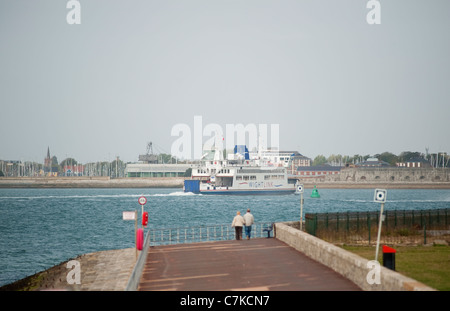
139	239
389	257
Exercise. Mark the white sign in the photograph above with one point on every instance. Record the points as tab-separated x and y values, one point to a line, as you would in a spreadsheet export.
380	196
142	200
129	215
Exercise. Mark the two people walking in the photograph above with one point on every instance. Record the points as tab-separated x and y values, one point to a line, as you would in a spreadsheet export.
240	221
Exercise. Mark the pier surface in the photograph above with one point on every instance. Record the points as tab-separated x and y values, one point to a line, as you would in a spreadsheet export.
256	264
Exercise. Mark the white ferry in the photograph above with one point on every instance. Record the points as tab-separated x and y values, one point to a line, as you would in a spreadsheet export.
239	175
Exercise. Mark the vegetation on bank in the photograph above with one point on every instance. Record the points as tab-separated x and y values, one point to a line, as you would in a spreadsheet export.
424	263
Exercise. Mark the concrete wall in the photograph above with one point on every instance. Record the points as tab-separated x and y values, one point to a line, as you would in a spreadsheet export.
135	277
346	263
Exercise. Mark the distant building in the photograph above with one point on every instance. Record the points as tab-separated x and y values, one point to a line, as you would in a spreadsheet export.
415	162
148	158
156	170
372	162
299	160
288	159
49	169
48	161
317	171
73	170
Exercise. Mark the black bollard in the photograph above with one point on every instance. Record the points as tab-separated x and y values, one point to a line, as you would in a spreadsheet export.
389	257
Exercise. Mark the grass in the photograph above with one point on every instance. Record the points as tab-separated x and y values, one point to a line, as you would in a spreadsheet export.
427	264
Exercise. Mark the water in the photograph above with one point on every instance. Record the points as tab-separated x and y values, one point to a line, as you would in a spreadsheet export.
40	228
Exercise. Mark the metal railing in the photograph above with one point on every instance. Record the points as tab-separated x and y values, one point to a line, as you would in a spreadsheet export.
398	226
218	232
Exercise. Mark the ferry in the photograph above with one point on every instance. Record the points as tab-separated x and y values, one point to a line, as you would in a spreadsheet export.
239	175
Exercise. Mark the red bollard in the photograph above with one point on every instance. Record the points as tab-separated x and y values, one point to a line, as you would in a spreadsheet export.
139	239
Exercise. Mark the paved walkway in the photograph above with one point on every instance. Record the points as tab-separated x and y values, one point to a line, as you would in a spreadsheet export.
257	264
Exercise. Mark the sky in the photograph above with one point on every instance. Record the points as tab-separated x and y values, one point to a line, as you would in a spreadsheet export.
133	70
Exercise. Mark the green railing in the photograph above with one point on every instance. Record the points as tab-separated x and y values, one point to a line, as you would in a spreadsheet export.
398	226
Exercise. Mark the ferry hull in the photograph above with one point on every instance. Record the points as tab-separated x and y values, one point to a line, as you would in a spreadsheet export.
193	186
247	192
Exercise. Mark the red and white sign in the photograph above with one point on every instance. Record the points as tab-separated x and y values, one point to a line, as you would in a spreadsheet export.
142	200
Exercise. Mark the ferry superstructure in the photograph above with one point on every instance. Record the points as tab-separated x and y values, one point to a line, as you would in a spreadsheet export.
239	175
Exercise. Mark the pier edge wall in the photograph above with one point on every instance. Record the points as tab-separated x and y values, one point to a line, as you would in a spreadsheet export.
349	265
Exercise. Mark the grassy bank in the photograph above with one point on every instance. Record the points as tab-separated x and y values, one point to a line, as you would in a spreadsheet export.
427	264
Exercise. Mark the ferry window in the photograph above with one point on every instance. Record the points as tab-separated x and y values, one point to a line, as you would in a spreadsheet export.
245	177
252	177
238	177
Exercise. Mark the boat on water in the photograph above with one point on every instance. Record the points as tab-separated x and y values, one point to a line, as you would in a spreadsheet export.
239	174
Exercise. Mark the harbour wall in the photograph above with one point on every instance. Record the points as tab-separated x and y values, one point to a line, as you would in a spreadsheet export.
349	265
383	177
391	175
90	182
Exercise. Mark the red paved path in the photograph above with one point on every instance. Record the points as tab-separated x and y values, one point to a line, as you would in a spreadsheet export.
257	264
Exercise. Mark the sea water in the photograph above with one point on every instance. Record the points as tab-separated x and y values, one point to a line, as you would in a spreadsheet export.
40	228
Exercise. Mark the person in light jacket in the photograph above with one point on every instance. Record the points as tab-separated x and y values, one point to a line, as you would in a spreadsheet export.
238	222
249	220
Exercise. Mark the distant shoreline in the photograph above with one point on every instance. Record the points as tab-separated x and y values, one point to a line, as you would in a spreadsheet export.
177	182
90	182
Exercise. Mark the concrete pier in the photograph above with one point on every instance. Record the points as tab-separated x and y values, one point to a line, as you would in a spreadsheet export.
293	261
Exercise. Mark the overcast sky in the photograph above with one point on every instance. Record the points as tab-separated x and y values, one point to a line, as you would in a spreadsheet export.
134	69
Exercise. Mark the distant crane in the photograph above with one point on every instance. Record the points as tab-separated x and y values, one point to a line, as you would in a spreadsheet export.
149	148
149	157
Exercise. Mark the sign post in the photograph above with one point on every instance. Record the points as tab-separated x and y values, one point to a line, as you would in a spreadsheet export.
142	201
132	216
380	197
300	190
